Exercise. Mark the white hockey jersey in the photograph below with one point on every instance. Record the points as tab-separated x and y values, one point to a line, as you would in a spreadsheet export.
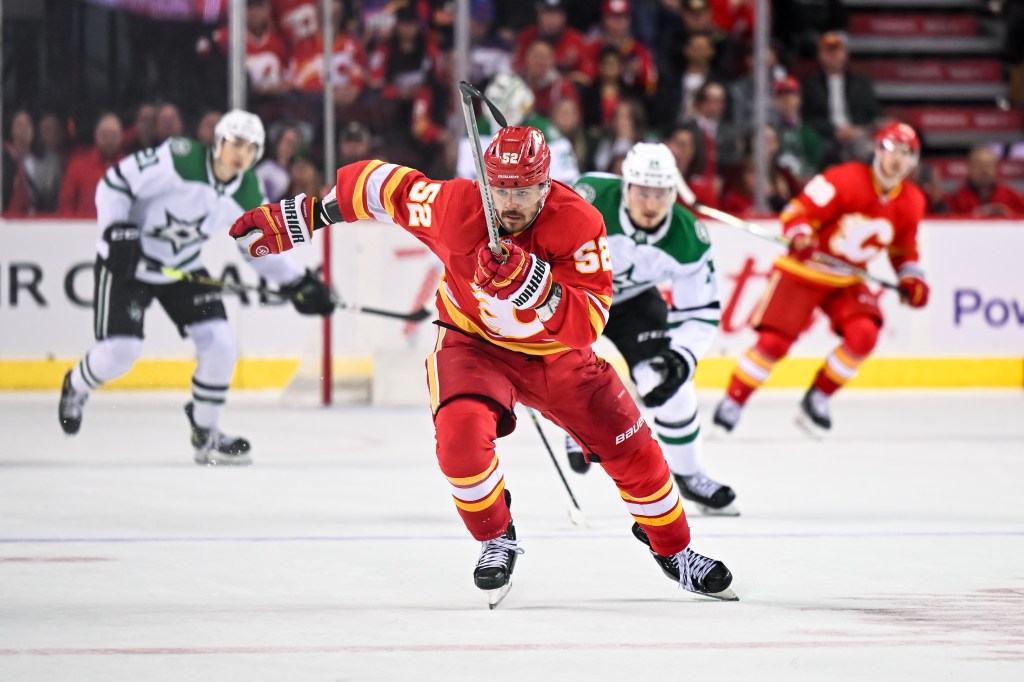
173	196
678	254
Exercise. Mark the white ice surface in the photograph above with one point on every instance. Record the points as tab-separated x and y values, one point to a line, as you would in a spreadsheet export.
892	551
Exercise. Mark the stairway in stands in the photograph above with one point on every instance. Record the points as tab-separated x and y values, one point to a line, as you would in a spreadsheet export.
936	65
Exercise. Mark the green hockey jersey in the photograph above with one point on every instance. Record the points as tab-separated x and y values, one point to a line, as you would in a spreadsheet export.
677	254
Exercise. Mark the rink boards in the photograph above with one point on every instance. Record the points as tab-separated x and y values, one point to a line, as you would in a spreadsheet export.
971	334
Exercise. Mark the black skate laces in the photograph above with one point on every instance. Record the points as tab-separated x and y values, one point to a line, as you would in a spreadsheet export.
71	401
492	552
818	402
693	568
701	485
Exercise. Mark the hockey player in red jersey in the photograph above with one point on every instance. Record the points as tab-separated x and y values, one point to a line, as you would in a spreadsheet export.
511	330
852	212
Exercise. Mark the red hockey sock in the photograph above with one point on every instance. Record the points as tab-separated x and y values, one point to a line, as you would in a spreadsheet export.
645	485
465	429
755	366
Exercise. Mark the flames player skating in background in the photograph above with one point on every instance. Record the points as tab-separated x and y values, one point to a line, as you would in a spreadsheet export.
853	212
654	240
516	330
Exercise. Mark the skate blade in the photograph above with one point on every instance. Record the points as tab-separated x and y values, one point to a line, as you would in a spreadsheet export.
725	595
809	427
728	510
716	432
211	460
494	597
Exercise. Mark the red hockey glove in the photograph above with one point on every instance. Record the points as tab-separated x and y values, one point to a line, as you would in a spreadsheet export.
913	291
522	278
275	228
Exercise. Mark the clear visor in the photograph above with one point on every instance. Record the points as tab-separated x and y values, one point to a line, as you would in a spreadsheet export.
519	195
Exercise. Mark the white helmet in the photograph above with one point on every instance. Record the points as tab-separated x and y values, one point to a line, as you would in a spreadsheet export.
650	164
512	96
239	125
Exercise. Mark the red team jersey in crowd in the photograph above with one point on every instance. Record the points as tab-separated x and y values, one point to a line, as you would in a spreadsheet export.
854	220
448	217
266	57
347	62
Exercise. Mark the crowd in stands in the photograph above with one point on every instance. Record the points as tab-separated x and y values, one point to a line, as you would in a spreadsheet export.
602	74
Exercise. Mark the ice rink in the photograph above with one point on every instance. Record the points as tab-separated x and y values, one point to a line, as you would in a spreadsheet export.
892	551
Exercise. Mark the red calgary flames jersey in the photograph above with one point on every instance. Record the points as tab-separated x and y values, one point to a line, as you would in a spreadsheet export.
448	217
854	220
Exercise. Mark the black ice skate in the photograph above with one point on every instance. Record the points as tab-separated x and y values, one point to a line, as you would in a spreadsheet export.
70	409
814	417
711	497
575	454
214	448
493	572
694	572
727	414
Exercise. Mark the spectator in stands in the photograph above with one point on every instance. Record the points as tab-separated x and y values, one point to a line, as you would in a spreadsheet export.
355	143
273	171
677	21
798	24
599	99
168	123
628	127
929	179
348	63
780	185
545	80
638	70
44	166
305	177
687	146
17	192
982	195
489	52
142	134
266	50
568	119
801	150
87	167
700	53
571	53
204	128
296	19
840	105
741	90
723	145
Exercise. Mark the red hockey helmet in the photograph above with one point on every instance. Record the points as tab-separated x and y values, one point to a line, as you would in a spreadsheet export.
517	156
898	134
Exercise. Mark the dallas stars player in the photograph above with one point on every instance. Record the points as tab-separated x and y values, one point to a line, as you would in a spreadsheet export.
156	208
653	239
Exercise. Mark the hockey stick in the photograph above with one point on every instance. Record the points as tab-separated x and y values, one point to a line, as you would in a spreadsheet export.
688	197
575	513
468	94
238	288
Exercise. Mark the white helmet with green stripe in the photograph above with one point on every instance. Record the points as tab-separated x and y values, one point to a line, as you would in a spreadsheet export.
239	125
650	164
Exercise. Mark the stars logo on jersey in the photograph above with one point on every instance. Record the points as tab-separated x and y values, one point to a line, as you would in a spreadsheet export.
586	191
702	231
623	280
180	233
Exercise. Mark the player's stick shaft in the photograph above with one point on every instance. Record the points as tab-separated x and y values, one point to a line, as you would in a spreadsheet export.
575	513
